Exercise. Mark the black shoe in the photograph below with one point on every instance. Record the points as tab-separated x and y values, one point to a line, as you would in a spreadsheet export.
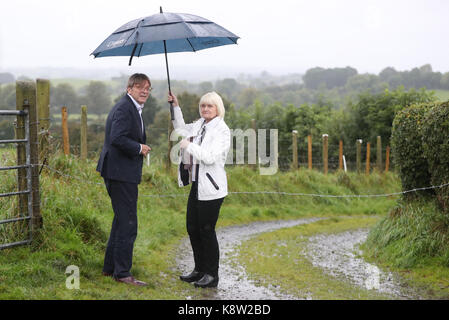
192	277
207	281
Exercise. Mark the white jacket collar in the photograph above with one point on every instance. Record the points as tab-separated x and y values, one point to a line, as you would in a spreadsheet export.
211	123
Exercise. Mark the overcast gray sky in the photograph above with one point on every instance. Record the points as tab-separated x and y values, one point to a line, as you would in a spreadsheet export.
282	36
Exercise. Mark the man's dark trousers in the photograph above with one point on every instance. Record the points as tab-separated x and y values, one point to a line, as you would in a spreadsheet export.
119	251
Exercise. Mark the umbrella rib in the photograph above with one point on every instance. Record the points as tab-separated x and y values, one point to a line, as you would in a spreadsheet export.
132	54
235	41
190	44
140	50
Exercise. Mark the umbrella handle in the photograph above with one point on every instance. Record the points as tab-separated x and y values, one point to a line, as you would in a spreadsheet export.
172	112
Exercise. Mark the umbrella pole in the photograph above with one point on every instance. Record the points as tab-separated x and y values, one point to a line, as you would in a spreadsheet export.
168	78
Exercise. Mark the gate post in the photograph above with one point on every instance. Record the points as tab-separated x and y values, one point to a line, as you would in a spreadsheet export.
26	95
24	91
43	112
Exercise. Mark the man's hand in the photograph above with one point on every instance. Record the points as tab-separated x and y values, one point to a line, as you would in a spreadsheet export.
145	150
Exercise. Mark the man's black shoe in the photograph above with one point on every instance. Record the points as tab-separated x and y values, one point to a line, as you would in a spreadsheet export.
192	277
207	281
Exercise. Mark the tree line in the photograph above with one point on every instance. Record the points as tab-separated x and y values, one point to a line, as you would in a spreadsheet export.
340	102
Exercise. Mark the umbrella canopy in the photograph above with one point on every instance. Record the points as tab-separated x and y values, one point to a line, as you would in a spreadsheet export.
180	31
163	33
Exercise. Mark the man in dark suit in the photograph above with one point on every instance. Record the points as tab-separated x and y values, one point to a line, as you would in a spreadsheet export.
120	165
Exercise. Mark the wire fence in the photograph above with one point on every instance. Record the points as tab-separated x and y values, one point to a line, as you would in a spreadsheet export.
399	193
158	137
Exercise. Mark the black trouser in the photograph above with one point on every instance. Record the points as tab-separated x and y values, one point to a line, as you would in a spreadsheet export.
119	251
201	219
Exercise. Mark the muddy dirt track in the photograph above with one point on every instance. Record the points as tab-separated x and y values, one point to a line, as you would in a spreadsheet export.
336	254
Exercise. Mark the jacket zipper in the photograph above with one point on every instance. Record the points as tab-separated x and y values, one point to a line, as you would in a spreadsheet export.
212	180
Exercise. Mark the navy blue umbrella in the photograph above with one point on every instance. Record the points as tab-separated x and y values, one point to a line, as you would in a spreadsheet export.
163	33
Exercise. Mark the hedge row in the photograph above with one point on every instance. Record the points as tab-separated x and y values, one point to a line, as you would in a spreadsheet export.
420	144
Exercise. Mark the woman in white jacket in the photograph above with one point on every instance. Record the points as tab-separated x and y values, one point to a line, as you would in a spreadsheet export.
205	147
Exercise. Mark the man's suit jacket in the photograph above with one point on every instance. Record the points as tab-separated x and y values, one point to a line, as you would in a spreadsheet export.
120	157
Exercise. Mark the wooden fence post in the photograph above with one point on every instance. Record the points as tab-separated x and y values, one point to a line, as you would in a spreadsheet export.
325	152
340	155
387	159
309	151
83	133
359	155
43	112
379	154
295	149
368	155
254	127
65	131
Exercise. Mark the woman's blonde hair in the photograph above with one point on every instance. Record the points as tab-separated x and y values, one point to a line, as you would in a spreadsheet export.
214	99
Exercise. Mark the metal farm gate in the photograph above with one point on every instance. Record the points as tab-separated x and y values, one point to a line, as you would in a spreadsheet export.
28	208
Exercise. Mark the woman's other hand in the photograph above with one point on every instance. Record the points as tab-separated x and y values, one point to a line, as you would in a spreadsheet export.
184	143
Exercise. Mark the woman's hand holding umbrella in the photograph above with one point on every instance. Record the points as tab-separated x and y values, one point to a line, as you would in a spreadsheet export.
173	100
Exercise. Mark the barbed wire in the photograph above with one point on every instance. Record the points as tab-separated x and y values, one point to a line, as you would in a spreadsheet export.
174	195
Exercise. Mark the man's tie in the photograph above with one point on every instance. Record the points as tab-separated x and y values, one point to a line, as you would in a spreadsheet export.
139	110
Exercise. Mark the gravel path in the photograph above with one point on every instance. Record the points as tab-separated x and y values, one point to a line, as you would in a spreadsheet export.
234	283
336	254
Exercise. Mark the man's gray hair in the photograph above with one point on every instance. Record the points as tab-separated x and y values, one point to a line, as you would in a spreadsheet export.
138	78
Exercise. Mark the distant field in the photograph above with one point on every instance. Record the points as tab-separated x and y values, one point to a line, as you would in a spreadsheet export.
442	95
79	83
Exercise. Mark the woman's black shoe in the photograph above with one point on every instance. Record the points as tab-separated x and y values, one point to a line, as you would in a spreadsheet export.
207	281
192	277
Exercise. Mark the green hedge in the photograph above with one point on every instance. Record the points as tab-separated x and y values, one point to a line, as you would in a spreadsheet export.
436	149
406	144
420	145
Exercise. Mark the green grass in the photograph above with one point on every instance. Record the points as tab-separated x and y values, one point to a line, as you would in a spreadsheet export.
442	95
413	240
77	217
278	258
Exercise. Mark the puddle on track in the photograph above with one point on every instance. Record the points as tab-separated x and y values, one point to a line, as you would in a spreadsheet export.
334	253
338	255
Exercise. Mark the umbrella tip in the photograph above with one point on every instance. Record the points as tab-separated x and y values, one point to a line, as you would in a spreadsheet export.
161	9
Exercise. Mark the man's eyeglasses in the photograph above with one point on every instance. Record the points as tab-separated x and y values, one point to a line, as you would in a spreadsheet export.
144	89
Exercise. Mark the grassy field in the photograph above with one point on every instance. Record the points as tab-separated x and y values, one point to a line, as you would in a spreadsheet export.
442	95
77	84
413	240
77	216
